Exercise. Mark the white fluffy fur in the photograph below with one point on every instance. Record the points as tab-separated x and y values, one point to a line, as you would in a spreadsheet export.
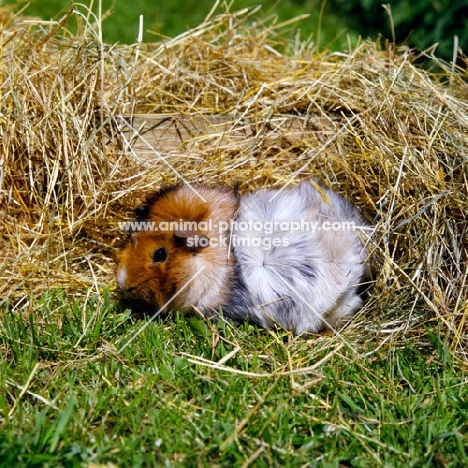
311	283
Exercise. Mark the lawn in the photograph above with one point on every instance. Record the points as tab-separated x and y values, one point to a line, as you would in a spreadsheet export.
186	393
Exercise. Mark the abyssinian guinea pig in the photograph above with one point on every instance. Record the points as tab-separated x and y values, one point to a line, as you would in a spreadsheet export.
293	258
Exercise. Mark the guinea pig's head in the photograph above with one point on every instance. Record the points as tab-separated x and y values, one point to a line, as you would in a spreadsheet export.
181	269
155	266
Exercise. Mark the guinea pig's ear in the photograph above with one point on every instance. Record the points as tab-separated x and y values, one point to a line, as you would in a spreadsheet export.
142	212
191	240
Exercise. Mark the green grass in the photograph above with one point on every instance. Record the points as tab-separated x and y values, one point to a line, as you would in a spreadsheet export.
173	18
69	398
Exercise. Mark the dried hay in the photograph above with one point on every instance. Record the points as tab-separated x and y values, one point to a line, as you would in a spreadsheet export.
235	103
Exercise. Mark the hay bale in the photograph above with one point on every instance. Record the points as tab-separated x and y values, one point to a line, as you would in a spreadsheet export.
245	106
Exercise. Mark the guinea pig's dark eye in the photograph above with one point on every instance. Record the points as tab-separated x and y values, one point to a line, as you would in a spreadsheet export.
159	255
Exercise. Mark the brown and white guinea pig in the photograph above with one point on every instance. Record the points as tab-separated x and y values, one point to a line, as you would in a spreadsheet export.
158	263
294	258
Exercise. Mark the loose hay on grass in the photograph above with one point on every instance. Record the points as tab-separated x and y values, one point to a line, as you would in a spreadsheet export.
240	103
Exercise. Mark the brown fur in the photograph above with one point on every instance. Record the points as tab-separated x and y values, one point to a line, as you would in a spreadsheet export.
157	283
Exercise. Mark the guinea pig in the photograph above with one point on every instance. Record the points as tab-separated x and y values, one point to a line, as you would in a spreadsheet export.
293	258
